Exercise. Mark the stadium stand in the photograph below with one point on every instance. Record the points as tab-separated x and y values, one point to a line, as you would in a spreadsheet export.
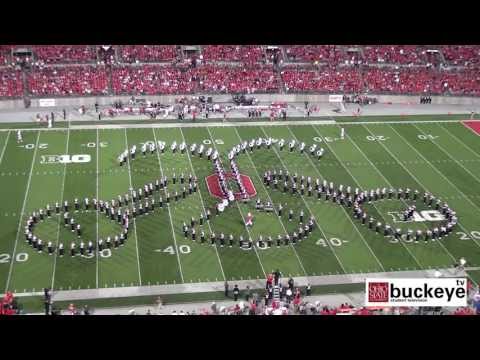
11	85
394	54
237	79
246	54
58	54
461	55
151	79
72	80
62	70
5	55
148	53
310	53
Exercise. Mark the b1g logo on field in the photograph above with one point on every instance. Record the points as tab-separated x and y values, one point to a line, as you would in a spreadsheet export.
65	159
424	215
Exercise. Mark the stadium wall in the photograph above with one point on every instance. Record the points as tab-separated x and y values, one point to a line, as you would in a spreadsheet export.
69	102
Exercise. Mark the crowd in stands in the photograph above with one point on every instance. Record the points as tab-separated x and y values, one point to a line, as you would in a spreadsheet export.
72	80
5	55
394	54
325	80
157	79
62	70
57	54
311	53
10	83
242	79
383	80
148	53
243	53
151	79
462	55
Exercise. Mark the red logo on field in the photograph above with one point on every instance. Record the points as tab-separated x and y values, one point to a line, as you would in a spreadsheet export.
378	292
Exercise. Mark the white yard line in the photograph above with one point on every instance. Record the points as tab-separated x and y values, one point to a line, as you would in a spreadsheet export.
203	204
311	212
240	211
134	224
390	185
97	214
59	218
22	213
170	214
451	157
413	176
388	182
458	140
343	208
4	146
271	201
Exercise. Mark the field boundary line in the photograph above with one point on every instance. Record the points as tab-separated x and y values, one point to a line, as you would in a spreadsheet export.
134	223
169	214
203	205
310	210
240	123
271	201
62	193
451	157
433	167
343	208
240	211
27	190
339	279
459	141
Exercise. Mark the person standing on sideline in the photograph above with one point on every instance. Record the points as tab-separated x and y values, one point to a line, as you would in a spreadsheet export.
276	276
247	293
309	289
236	292
226	289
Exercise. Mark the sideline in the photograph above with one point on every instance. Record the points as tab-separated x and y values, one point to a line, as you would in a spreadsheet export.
132	291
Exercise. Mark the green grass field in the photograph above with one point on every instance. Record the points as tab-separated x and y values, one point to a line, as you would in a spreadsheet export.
442	158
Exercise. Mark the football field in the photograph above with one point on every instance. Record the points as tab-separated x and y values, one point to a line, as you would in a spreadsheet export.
441	158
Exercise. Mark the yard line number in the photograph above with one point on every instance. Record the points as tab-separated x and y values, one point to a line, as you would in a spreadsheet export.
332	241
32	146
209	142
427	137
469	236
324	139
184	249
376	137
93	145
20	257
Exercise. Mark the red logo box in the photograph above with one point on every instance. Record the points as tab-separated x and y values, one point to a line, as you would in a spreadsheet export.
378	292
